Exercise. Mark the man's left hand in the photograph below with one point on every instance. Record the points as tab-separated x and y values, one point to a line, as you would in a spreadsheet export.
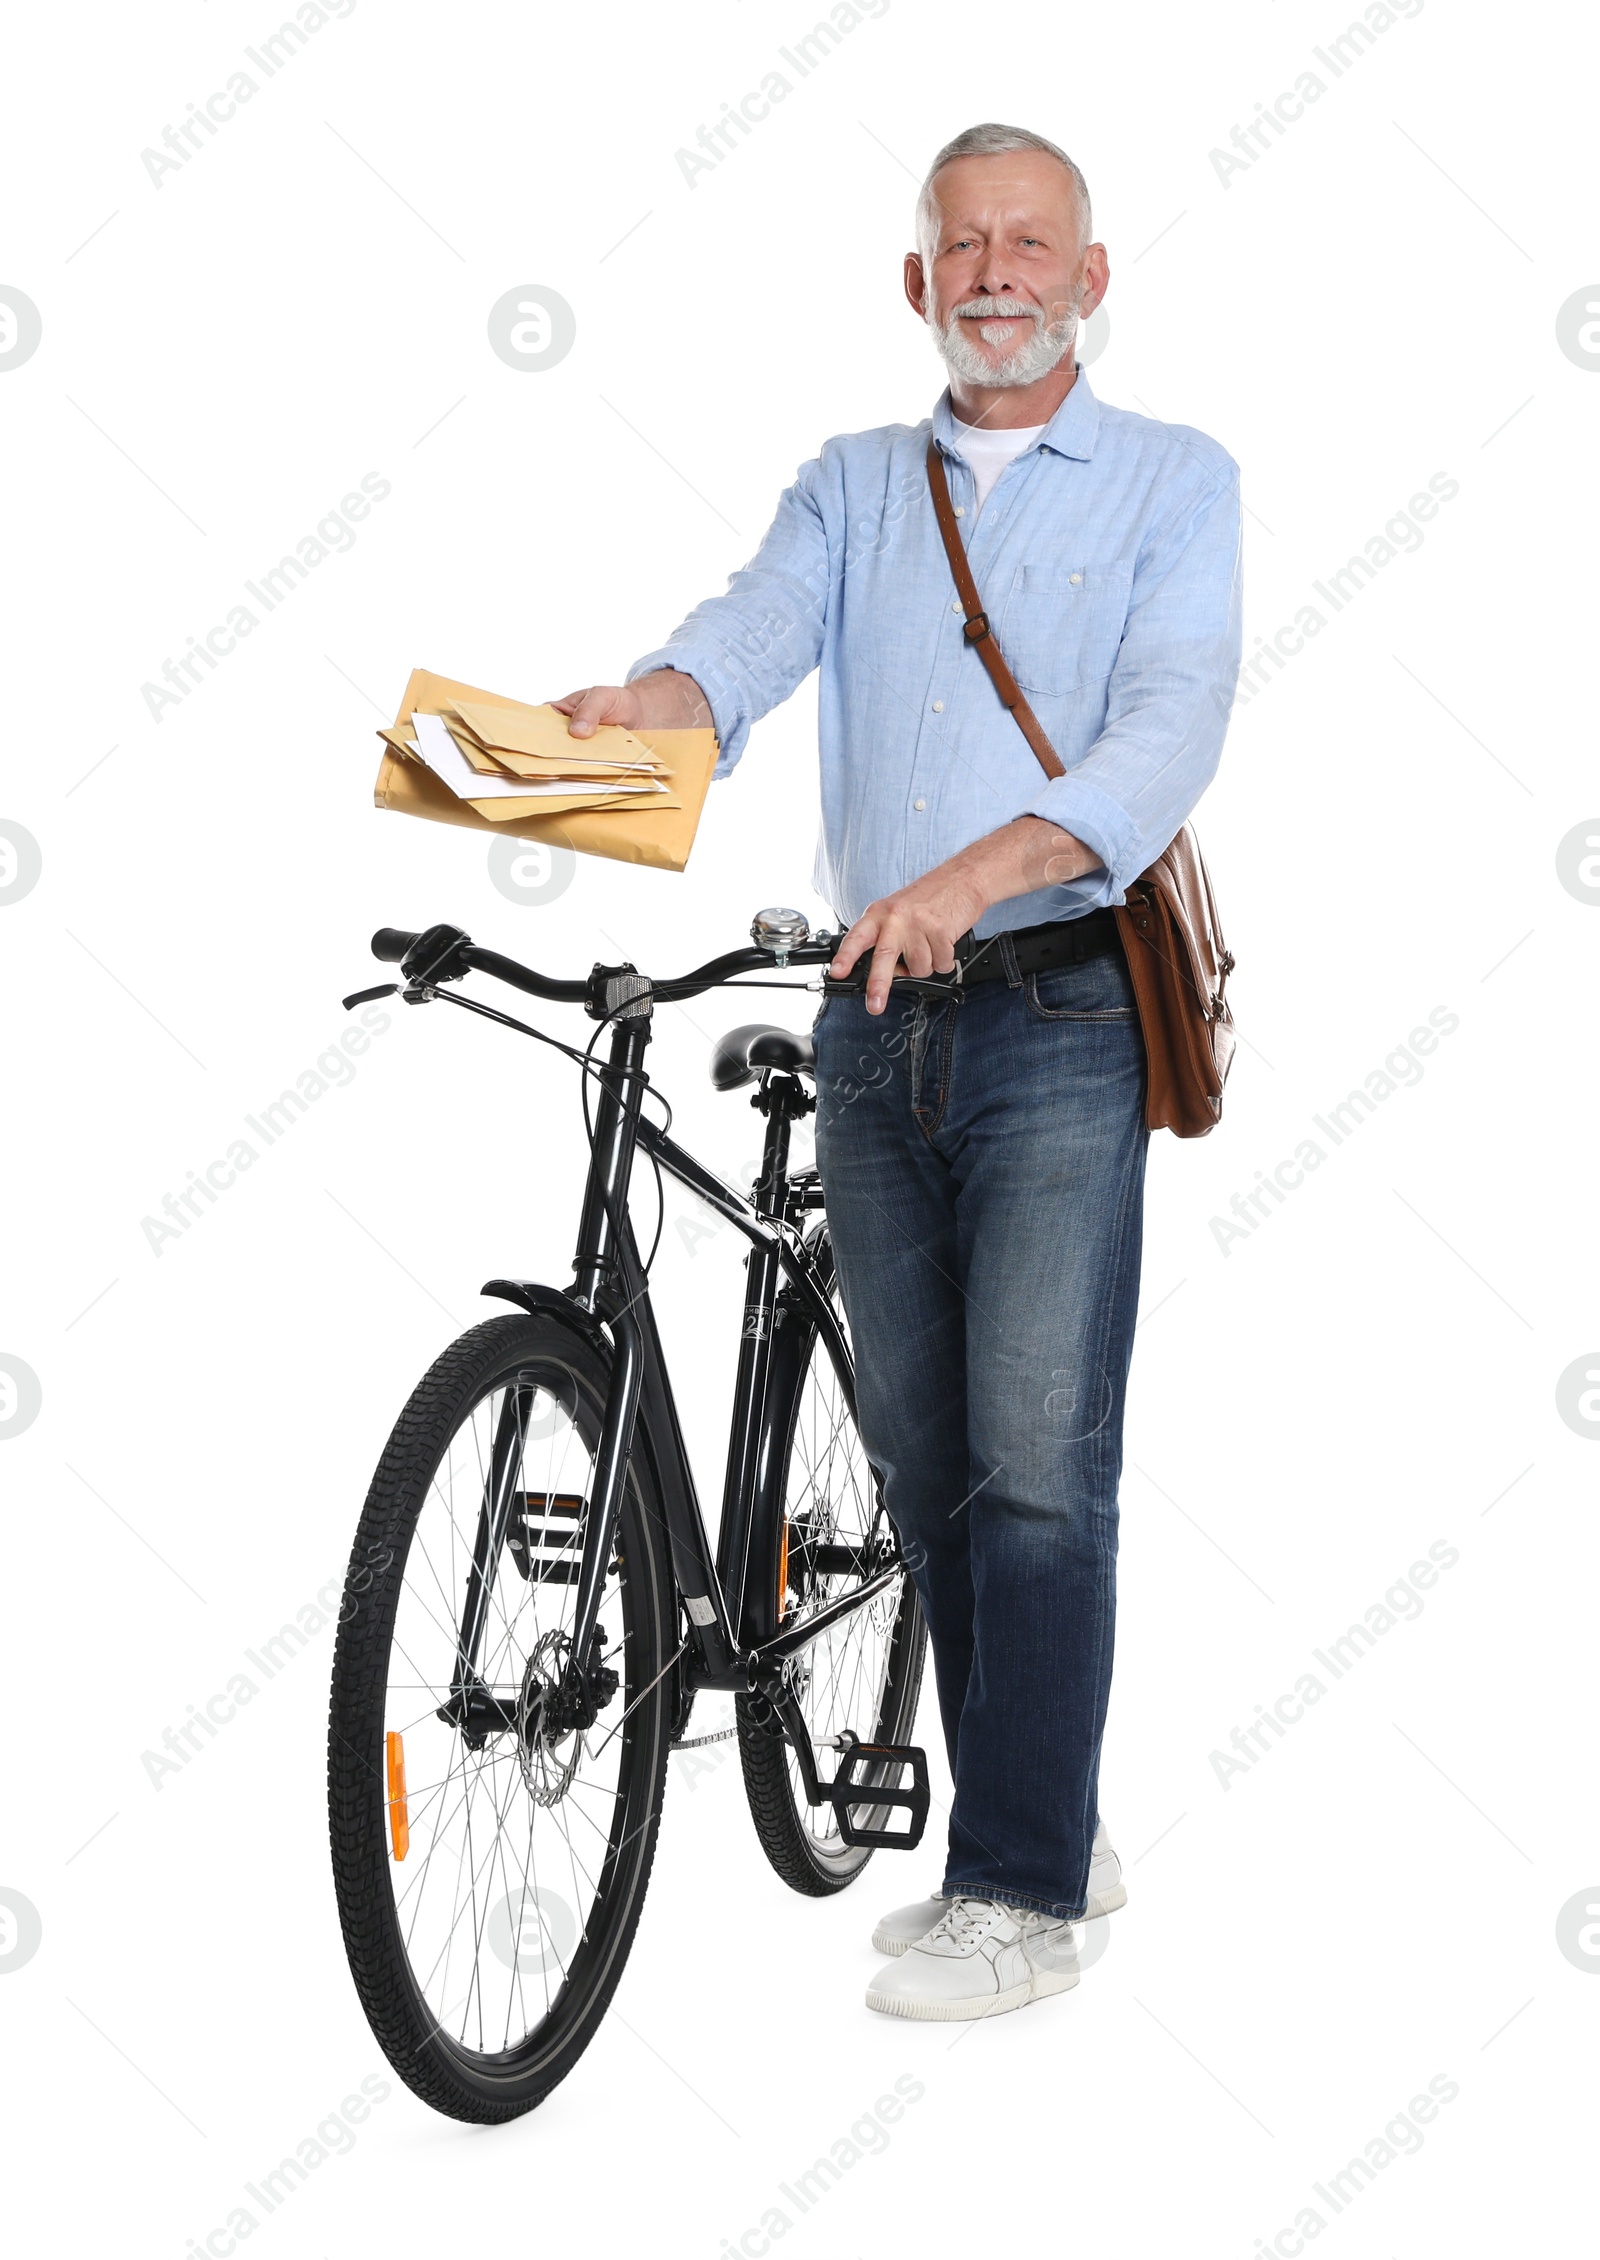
915	930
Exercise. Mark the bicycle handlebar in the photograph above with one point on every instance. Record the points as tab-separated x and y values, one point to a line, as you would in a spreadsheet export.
443	953
523	977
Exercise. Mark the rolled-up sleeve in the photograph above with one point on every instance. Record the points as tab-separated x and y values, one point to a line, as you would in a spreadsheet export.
1170	693
749	649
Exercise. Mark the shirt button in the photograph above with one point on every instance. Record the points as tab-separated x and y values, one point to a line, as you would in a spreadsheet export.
961	509
919	805
955	607
938	706
1075	580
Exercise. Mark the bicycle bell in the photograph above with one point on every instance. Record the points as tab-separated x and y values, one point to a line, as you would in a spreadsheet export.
779	931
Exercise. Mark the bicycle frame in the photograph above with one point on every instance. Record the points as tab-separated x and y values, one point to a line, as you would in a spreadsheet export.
735	1639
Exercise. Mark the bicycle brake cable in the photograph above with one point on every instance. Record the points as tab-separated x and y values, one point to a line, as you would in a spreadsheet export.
580	1059
591	1067
665	1127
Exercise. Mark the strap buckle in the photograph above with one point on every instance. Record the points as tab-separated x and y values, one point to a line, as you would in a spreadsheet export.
976	627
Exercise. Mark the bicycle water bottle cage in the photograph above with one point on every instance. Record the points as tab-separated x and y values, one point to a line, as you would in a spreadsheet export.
847	1795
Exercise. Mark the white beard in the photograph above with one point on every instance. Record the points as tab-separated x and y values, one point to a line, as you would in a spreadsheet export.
1026	363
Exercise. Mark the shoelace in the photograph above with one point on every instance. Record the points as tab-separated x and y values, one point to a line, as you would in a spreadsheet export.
965	1920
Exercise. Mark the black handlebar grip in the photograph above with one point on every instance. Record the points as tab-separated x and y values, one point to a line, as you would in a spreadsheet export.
391	945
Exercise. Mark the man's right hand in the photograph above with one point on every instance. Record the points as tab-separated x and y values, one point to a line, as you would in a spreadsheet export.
662	700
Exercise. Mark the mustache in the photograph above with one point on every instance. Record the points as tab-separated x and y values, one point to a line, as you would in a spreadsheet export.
998	309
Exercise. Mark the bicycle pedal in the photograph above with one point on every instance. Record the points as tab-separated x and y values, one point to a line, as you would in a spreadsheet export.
544	1535
884	1798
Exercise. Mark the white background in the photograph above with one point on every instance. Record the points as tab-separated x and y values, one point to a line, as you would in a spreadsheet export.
1374	1369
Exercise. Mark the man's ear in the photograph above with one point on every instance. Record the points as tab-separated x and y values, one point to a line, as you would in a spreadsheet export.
1097	278
916	284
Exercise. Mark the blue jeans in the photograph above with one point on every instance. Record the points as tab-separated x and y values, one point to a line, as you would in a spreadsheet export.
983	1162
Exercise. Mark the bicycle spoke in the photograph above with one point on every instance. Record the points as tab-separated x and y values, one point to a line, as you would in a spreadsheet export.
487	1835
842	1679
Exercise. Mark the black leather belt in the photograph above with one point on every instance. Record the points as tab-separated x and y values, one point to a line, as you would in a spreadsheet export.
1065	941
1033	949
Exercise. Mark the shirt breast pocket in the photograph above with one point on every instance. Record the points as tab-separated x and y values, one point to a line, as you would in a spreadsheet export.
1063	624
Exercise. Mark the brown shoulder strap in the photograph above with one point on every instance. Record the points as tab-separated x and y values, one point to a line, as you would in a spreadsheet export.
978	632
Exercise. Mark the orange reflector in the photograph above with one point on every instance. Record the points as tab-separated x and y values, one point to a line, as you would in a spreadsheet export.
399	1821
783	1566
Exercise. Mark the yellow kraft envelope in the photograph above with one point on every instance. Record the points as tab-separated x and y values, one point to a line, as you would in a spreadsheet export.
506	806
475	758
577	759
661	836
497	761
541	730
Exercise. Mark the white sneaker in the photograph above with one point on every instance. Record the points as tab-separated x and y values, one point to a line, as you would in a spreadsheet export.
1107	1892
979	1959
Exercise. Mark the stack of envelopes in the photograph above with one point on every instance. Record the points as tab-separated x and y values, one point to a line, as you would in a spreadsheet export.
511	761
458	755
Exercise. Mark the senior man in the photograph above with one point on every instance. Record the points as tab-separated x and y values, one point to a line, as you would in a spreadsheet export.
983	1156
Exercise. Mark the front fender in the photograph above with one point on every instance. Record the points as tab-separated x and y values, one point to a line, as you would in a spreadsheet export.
533	1296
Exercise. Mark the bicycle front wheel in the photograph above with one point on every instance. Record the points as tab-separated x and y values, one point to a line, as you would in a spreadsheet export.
491	1855
865	1672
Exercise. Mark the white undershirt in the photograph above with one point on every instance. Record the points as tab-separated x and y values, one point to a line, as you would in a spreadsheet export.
988	452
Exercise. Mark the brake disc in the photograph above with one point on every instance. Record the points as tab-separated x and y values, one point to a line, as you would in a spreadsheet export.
546	1770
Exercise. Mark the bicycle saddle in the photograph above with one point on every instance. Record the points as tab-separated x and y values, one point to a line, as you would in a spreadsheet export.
743	1052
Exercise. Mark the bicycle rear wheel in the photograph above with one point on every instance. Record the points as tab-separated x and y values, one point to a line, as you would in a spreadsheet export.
865	1672
490	1868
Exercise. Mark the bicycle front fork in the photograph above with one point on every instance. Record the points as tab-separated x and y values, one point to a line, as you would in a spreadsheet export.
600	1263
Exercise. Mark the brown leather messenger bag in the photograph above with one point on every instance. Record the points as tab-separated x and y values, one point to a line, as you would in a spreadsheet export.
1167	923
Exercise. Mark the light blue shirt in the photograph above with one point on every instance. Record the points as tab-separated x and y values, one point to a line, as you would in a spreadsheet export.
1107	557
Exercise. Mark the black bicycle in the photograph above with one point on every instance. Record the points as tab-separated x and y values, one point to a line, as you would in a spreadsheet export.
533	1604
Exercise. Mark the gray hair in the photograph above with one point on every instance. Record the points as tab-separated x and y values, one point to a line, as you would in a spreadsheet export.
995	141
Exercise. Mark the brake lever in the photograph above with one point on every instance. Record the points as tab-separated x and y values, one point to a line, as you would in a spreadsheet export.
366	996
967	951
933	985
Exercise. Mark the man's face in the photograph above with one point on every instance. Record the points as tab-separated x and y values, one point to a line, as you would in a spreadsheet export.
1007	279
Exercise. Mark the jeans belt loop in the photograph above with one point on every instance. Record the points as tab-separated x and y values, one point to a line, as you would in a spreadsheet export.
1008	958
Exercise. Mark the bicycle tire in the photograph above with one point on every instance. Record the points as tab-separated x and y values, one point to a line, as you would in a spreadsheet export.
817	1862
483	2084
